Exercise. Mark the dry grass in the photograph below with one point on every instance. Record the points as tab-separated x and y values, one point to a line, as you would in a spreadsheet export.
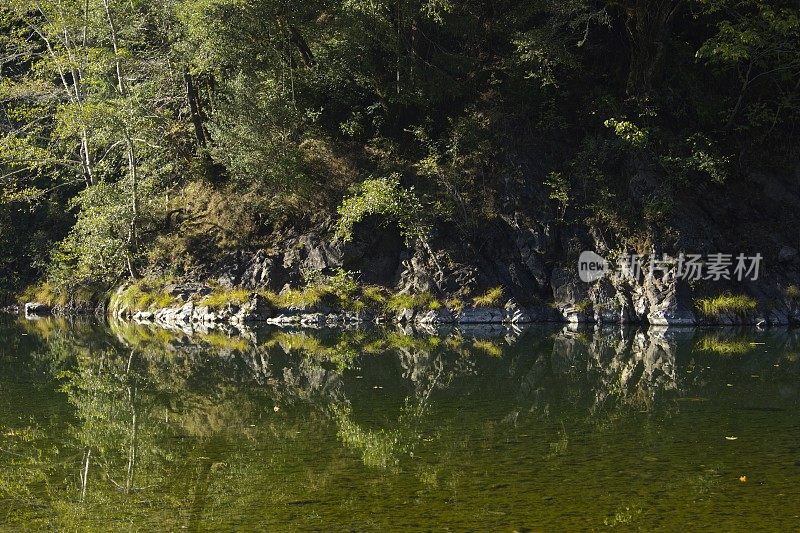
491	298
714	306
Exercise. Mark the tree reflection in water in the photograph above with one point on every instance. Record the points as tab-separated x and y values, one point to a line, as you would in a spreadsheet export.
157	428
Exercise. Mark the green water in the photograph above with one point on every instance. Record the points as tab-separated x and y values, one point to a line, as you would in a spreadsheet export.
130	428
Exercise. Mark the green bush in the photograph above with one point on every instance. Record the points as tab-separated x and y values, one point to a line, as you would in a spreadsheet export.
384	197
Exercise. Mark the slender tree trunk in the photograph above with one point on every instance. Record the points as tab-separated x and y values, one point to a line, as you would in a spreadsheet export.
398	23
213	171
740	100
133	170
85	472
117	65
73	94
132	239
132	448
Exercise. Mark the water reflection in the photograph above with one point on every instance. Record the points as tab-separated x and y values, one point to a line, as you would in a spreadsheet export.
135	426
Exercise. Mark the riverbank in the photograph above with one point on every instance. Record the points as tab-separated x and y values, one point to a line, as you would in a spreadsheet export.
337	305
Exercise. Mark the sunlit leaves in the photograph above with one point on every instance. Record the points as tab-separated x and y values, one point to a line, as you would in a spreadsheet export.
383	196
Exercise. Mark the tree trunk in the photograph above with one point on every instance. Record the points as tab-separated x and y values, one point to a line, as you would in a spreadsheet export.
132	230
647	23
302	46
195	110
214	172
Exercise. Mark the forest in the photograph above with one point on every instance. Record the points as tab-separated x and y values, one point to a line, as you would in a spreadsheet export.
143	138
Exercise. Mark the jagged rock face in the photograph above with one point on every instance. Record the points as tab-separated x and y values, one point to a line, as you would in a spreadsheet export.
669	302
418	274
481	315
525	251
435	317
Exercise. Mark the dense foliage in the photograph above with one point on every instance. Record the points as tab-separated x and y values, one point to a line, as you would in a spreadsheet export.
146	135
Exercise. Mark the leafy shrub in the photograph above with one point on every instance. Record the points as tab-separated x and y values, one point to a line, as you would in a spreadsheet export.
383	196
629	132
342	283
559	190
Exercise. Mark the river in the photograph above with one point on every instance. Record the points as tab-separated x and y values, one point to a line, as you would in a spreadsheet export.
126	427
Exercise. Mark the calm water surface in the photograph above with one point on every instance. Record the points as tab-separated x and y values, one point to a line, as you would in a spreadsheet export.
125	427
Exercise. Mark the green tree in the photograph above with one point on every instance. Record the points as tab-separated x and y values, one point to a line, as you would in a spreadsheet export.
759	40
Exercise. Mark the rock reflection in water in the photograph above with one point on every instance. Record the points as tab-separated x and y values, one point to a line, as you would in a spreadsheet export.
186	420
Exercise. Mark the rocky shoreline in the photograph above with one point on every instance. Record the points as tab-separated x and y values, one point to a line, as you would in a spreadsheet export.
188	308
655	302
532	277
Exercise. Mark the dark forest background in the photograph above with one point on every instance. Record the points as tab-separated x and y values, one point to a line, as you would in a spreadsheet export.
144	136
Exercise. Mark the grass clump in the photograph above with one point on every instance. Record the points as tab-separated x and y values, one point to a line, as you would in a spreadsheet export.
491	298
339	290
301	298
714	306
375	296
142	295
43	292
220	299
718	345
456	304
793	292
419	302
488	347
220	340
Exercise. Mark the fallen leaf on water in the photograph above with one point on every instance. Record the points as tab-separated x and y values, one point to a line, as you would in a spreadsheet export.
731	438
743	479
